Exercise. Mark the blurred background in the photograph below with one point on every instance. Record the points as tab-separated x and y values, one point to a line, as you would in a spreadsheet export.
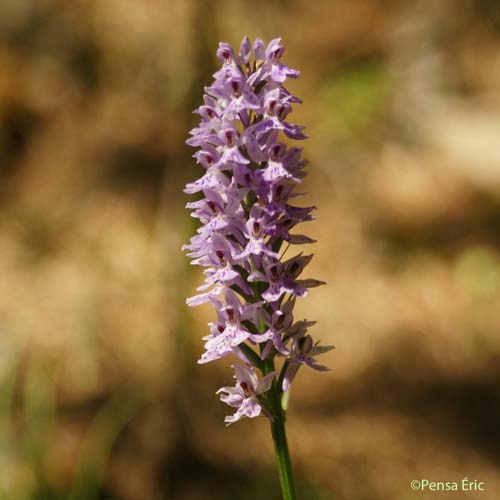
100	393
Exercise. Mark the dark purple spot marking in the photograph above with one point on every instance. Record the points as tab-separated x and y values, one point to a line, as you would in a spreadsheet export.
221	257
246	389
230	314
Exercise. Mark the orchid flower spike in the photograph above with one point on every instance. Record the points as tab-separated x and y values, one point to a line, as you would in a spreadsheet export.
250	171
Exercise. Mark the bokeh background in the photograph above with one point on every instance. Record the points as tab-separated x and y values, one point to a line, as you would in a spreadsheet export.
100	393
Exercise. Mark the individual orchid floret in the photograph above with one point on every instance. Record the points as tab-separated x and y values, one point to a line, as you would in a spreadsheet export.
303	352
230	331
279	322
244	395
225	53
283	278
279	72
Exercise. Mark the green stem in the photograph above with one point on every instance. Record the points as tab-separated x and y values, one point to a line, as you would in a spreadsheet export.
281	448
279	433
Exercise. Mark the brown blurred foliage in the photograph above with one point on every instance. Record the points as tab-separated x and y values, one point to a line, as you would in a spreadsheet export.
101	396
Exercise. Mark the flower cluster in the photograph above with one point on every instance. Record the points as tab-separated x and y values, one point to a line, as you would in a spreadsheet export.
246	218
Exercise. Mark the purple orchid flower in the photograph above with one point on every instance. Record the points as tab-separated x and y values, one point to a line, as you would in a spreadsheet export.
303	352
246	216
244	395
